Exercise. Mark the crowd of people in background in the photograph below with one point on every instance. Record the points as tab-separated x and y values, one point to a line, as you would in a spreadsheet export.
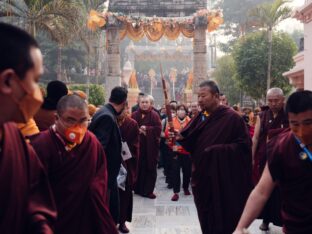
70	167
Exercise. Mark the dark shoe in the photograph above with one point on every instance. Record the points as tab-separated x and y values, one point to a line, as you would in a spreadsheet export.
187	192
151	196
264	226
175	197
123	228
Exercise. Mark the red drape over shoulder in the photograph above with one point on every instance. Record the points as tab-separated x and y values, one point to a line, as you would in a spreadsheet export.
267	124
79	183
294	177
220	147
149	151
26	204
130	133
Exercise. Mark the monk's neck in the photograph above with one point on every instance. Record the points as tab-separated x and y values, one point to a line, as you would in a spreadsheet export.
275	114
212	109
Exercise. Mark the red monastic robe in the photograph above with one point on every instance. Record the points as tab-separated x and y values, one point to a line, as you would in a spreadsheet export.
220	148
294	179
130	134
267	123
149	151
26	203
79	183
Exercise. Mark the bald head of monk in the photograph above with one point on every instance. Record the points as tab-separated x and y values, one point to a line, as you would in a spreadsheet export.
72	118
275	99
208	96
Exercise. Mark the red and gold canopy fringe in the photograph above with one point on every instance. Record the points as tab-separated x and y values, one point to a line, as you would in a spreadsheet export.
155	28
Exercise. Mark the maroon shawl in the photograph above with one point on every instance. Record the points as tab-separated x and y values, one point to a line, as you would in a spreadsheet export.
130	133
267	123
149	144
79	182
26	203
220	147
294	177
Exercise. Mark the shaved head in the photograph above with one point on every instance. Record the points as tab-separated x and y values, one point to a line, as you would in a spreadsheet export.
70	101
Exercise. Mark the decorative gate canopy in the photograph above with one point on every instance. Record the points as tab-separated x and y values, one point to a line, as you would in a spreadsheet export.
189	18
154	28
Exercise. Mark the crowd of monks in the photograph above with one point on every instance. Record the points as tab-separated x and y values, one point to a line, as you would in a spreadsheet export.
68	167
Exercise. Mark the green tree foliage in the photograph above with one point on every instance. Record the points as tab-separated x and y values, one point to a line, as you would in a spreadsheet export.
96	92
74	57
268	15
224	75
61	19
236	15
250	56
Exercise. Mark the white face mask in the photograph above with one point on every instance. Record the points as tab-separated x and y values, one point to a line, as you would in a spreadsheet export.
181	113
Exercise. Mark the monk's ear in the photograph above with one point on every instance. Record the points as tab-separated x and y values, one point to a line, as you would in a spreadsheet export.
6	77
56	116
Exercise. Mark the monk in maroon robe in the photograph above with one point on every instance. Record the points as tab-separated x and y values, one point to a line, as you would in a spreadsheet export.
129	130
271	118
289	167
76	165
150	129
220	147
26	203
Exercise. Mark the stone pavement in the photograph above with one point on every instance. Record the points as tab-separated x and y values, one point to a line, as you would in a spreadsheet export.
162	216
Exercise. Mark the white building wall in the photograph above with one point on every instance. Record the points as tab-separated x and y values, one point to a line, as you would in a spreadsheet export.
308	56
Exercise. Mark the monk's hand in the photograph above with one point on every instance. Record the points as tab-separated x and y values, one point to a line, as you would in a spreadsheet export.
143	130
175	134
171	134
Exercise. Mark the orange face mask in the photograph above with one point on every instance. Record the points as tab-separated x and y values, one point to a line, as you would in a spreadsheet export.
75	134
30	104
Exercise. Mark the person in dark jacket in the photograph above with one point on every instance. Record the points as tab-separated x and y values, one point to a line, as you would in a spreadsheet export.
104	126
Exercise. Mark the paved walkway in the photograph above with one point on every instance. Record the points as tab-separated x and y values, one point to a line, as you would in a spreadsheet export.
162	216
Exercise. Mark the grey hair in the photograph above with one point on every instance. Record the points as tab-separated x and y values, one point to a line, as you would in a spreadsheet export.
275	91
151	98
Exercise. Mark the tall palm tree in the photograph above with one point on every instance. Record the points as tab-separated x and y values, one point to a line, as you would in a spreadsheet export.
268	15
60	19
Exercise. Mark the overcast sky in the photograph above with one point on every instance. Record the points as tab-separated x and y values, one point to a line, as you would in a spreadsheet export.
292	24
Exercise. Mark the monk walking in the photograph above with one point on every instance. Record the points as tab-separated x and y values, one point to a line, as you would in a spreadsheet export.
289	167
76	165
129	130
150	128
271	118
26	204
220	148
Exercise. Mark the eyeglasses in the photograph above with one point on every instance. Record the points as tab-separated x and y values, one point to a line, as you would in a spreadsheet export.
71	121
